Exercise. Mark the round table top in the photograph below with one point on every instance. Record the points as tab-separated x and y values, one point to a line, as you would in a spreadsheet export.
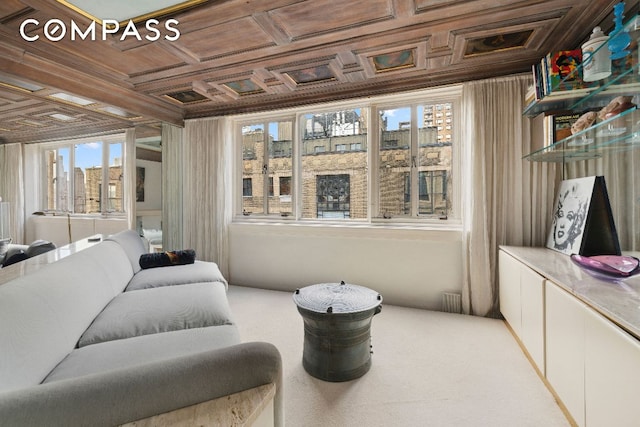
336	298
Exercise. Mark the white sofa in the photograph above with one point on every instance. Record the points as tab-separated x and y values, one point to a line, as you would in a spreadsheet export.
93	339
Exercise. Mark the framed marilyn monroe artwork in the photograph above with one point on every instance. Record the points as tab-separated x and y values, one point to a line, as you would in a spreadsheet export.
582	219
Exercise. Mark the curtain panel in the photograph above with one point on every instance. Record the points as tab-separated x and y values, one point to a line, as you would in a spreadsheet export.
509	199
171	186
206	198
12	188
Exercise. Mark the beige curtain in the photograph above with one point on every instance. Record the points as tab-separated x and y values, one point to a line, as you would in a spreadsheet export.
621	170
130	177
171	187
12	188
510	199
206	196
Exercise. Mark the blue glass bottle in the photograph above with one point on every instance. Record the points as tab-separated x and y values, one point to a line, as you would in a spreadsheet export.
619	38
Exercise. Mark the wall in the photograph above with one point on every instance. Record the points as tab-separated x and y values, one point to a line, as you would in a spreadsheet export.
409	267
148	212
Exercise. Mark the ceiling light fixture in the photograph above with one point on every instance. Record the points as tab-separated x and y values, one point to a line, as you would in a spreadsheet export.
71	98
18	84
127	10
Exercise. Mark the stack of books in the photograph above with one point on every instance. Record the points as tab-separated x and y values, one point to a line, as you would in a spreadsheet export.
557	74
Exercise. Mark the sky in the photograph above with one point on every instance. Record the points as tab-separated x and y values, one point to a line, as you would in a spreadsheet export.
90	154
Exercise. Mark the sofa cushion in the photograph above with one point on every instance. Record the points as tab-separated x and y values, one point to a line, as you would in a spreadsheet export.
133	246
164	309
200	271
44	313
141	350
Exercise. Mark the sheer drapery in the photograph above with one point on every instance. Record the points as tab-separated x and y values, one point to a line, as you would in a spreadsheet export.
129	178
171	187
206	196
622	177
509	199
12	188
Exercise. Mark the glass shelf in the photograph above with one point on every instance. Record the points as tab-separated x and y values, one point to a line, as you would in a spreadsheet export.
616	134
624	80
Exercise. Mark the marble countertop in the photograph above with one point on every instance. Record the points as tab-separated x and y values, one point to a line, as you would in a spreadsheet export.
618	299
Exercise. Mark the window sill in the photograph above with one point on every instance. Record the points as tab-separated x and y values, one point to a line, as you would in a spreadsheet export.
418	225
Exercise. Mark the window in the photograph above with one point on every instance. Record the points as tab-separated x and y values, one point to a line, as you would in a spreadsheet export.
76	173
247	190
266	153
332	194
412	156
325	165
334	180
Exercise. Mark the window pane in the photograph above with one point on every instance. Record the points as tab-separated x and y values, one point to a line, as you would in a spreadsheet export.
116	178
87	177
252	176
334	165
280	145
435	158
57	179
395	162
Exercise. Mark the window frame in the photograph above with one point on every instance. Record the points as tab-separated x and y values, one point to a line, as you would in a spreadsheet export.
70	144
447	94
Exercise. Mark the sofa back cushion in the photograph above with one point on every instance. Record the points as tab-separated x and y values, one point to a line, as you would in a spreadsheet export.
44	313
151	311
133	245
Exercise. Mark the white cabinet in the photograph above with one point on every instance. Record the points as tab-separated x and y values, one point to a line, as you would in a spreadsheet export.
587	329
533	321
612	374
522	305
510	298
565	347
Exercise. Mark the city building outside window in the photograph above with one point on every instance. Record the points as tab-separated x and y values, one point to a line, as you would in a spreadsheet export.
76	172
354	163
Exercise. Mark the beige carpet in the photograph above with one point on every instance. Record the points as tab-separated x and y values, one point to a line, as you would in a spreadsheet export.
429	369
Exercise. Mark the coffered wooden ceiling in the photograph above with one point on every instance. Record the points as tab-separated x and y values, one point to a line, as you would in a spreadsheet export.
250	55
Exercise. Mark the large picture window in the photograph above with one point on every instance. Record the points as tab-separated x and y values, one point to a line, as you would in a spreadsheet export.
392	162
85	177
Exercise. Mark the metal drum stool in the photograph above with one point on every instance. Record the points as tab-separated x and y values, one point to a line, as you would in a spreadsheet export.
337	324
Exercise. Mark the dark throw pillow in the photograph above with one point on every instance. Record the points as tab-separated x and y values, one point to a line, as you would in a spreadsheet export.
168	258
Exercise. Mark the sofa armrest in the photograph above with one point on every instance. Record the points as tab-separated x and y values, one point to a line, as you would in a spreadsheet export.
129	394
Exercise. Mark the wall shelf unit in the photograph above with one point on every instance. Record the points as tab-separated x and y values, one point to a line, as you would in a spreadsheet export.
616	134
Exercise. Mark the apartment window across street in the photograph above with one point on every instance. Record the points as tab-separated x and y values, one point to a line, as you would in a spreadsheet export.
358	163
84	177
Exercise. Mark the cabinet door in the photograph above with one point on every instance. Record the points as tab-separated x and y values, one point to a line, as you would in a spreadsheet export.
532	307
565	342
509	276
612	374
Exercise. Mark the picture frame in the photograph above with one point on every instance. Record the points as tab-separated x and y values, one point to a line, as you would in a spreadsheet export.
582	219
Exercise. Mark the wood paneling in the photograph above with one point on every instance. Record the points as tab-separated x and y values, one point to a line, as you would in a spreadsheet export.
264	43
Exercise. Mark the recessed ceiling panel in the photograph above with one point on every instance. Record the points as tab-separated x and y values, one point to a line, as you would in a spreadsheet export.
124	10
320	73
244	87
394	60
187	97
237	36
497	42
308	18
